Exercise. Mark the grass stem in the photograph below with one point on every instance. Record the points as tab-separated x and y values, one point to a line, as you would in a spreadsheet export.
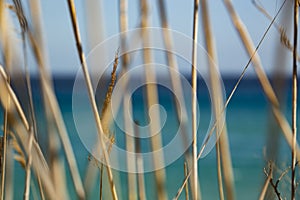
194	179
152	99
294	101
91	94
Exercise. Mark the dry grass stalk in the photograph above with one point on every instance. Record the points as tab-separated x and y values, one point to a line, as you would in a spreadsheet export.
266	184
25	163
186	185
22	131
9	189
36	43
94	162
123	7
28	167
106	125
283	37
54	111
7	58
294	101
181	113
101	182
266	85
38	163
279	82
19	155
281	120
105	107
130	147
194	184
4	151
94	24
1	152
56	164
172	63
127	107
91	93
152	99
33	129
248	44
10	93
180	108
139	164
4	154
275	183
219	170
222	145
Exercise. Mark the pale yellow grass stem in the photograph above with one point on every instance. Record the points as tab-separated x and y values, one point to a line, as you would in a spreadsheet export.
152	99
222	145
91	95
294	102
194	184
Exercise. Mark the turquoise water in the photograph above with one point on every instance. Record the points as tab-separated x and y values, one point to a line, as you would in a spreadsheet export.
247	123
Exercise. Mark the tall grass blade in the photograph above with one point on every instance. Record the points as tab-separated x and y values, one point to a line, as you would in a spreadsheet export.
281	120
180	108
294	101
91	94
152	99
36	42
127	107
194	184
139	165
186	185
222	145
7	58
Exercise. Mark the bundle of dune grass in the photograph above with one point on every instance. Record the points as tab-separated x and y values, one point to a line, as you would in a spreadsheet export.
46	154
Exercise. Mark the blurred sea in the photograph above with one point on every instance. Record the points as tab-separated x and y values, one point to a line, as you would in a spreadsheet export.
247	117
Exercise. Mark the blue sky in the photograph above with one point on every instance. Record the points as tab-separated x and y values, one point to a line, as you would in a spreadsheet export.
232	57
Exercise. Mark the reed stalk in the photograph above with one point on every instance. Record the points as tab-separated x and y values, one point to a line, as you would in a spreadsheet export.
267	88
181	112
9	189
81	56
279	81
106	128
139	164
33	129
152	99
280	118
56	115
36	42
294	102
5	46
130	147
22	130
194	185
266	184
101	183
266	85
186	185
283	35
222	146
105	109
20	127
127	105
180	103
219	171
4	151
28	168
